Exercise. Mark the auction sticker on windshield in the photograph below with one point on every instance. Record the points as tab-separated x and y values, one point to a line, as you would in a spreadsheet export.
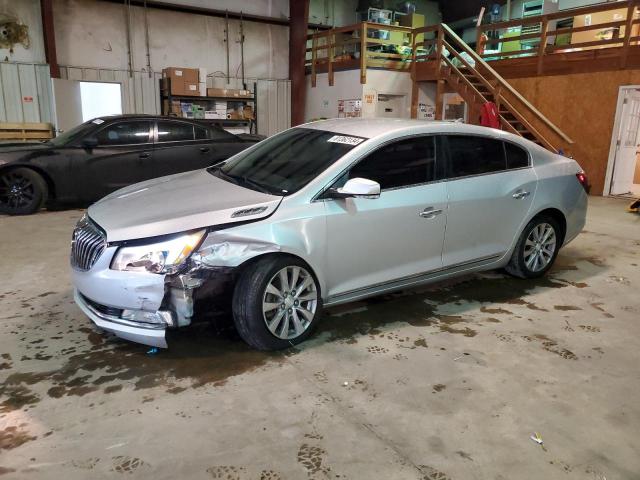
346	140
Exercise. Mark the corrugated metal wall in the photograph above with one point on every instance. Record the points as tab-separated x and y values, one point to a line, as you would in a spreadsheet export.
27	96
274	106
141	95
26	92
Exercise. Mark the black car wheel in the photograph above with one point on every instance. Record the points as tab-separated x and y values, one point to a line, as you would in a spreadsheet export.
22	191
276	303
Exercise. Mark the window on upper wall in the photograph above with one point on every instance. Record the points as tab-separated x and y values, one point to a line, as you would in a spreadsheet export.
517	157
174	131
124	133
399	164
474	155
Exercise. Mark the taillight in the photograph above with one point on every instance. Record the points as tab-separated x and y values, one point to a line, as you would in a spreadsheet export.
584	181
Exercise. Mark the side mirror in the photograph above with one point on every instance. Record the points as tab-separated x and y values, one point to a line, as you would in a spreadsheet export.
90	143
357	187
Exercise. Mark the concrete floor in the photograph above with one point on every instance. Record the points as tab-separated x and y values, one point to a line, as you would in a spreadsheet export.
441	383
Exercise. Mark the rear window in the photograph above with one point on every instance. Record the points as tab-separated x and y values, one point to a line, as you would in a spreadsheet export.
474	155
517	157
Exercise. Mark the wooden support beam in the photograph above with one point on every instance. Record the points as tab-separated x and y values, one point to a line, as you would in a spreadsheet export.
631	8
46	9
363	54
439	94
299	18
543	44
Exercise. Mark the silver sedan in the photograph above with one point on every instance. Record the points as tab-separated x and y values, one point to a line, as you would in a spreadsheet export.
322	214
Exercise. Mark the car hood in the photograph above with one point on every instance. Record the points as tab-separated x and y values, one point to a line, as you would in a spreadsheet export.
177	203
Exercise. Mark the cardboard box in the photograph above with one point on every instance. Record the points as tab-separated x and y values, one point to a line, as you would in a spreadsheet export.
173	108
247	112
228	93
187	75
636	175
191	89
177	87
182	80
215	114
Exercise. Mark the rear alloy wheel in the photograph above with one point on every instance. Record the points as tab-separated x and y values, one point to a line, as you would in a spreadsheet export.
536	249
22	191
276	303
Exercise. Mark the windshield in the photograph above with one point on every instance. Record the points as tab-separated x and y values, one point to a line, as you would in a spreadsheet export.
286	162
74	134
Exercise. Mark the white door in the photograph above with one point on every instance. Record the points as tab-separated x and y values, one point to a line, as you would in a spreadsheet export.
626	166
68	104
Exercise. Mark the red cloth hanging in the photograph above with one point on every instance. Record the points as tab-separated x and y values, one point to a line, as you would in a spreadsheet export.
489	115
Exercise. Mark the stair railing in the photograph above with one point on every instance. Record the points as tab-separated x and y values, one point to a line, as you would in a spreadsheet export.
498	86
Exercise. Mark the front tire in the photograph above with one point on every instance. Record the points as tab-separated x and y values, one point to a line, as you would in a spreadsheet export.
537	248
22	191
276	303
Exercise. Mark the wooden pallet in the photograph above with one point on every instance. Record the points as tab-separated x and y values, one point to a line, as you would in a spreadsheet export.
25	131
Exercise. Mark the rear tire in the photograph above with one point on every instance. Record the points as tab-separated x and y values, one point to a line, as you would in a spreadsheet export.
22	191
537	248
276	303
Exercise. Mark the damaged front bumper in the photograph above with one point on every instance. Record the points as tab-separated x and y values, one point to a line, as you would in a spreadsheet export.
146	333
141	306
136	306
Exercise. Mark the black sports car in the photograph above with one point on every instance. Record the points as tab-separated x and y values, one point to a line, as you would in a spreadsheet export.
104	154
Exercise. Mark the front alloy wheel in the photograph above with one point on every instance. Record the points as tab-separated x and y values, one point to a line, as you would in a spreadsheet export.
276	302
289	302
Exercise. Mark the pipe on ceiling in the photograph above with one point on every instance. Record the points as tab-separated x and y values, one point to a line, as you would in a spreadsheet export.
175	7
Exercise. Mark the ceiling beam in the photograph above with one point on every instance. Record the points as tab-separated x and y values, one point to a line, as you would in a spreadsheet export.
211	12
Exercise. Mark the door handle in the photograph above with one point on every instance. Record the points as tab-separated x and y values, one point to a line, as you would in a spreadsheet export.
205	149
520	194
144	155
430	212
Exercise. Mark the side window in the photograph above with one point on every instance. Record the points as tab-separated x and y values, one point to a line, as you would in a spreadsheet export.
400	164
174	131
202	133
517	157
474	155
124	133
220	134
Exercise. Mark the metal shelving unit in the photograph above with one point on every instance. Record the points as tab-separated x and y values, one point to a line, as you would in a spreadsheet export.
165	94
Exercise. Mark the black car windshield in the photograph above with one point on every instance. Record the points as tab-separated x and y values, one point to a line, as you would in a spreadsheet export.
286	162
74	134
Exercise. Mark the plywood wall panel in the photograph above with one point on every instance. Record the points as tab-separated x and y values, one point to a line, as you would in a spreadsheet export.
583	106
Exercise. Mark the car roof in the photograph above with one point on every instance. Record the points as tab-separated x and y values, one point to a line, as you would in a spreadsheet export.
373	127
142	116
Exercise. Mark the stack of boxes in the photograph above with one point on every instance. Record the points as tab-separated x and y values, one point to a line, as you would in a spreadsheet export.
190	82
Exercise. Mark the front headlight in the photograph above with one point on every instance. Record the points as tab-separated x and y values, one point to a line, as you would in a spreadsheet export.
162	257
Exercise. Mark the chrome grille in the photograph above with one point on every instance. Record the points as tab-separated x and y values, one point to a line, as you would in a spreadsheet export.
87	244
